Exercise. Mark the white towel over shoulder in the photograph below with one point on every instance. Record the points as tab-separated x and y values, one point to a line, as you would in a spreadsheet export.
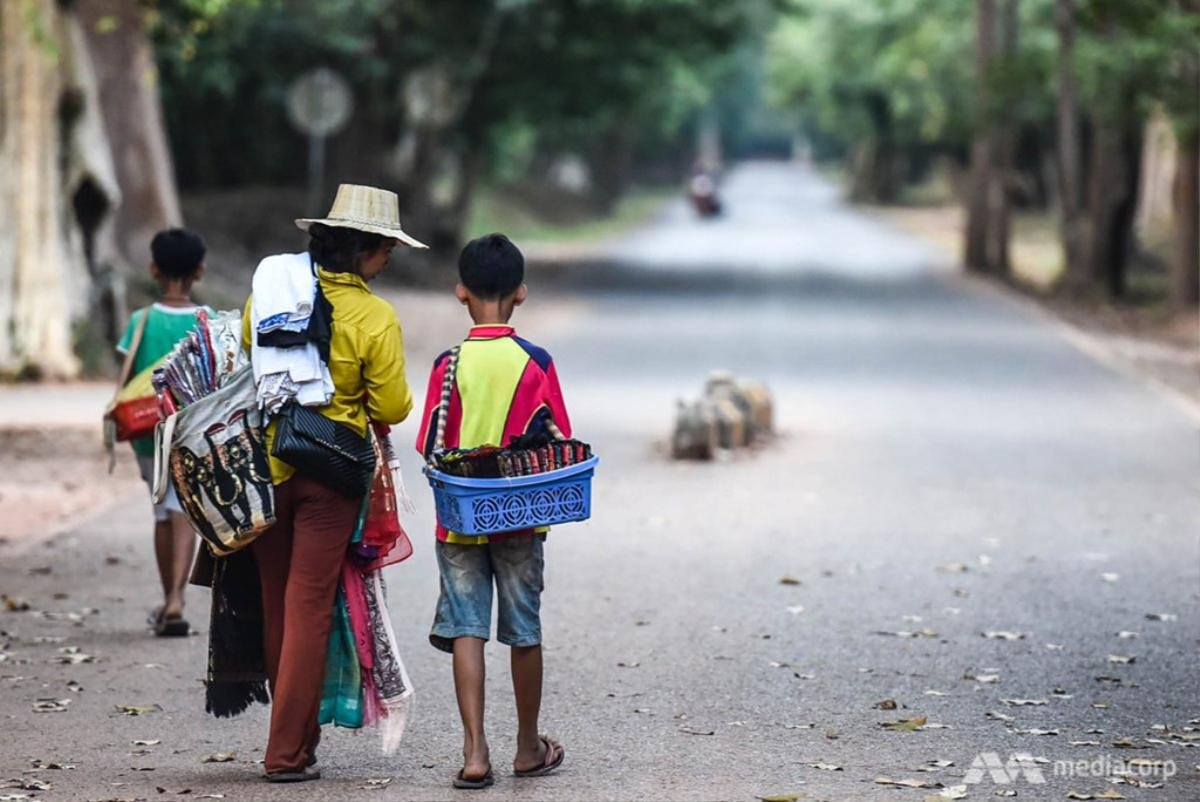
283	289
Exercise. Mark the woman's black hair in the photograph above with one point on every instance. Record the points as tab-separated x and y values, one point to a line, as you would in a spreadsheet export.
338	249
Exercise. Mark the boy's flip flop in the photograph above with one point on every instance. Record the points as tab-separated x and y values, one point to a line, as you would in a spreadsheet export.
172	628
551	762
486	781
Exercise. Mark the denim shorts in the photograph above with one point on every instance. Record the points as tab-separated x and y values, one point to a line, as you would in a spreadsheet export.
465	606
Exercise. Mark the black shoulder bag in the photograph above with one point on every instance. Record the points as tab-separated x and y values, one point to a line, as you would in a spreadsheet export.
324	450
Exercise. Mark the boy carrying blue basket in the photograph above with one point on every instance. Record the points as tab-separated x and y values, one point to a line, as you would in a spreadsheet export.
503	387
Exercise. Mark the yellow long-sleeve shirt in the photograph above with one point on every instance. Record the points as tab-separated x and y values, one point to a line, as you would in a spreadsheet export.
366	360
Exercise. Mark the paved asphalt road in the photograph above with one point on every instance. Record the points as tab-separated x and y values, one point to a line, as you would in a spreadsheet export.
948	465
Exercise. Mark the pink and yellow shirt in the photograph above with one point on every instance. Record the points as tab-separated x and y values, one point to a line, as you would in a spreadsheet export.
504	387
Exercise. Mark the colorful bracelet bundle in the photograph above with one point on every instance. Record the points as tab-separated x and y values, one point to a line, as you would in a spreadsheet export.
486	462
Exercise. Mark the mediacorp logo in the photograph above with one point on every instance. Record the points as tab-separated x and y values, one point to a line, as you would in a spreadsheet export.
1142	772
1019	765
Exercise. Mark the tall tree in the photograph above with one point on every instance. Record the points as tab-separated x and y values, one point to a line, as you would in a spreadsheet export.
38	277
1070	159
1185	263
979	200
133	117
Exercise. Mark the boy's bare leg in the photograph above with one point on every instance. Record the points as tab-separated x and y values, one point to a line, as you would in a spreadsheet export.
164	552
468	686
527	688
183	551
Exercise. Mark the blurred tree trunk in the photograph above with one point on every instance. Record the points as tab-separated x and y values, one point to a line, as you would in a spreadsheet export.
133	117
1116	165
876	176
983	148
1185	268
38	292
610	166
1003	184
1070	160
62	258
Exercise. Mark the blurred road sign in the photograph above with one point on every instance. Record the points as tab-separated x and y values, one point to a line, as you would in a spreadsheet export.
319	104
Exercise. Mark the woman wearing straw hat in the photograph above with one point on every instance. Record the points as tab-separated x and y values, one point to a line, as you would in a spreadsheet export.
300	557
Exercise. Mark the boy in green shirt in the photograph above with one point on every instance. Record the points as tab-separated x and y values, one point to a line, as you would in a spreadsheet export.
178	263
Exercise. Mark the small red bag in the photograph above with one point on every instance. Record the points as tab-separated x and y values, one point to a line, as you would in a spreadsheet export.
381	528
133	412
135	418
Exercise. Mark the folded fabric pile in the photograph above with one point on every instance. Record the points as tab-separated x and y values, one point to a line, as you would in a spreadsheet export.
291	321
201	362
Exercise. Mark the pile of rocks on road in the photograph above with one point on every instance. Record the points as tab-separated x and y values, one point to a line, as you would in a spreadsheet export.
730	414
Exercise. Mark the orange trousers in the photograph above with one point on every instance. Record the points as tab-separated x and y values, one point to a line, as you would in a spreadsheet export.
299	563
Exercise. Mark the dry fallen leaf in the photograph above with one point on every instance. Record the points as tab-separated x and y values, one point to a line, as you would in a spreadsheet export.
694	731
1121	659
952	568
788	580
1034	731
986	678
934	765
907	783
28	784
134	710
905	724
151	742
219	757
825	766
1109	794
781	797
1161	617
51	705
376	784
920	633
1003	634
1024	702
14	604
952	792
628	664
886	704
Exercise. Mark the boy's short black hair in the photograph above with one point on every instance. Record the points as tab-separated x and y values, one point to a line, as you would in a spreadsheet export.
177	252
491	267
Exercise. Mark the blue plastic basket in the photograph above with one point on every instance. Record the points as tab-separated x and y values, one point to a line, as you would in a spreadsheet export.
487	506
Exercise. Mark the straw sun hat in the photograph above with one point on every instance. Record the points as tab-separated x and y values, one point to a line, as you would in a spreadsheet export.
370	209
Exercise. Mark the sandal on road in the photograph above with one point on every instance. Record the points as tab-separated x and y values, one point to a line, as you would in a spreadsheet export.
486	781
172	628
554	758
302	775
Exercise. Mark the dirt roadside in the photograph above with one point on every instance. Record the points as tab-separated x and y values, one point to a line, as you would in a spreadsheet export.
1161	348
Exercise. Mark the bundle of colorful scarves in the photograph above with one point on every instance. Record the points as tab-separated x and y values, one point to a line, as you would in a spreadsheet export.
365	679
